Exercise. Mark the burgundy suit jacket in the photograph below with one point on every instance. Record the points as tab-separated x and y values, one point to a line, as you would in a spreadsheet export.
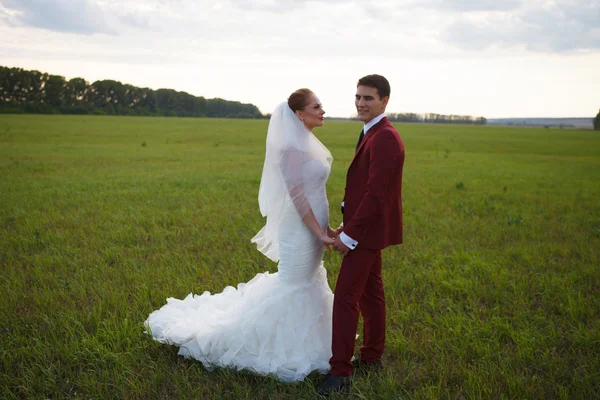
373	198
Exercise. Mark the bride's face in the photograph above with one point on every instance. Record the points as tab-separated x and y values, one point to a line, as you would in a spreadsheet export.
312	113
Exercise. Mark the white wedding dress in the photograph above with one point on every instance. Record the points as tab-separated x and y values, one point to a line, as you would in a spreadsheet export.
276	324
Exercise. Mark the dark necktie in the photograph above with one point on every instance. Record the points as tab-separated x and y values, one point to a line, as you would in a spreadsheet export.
360	138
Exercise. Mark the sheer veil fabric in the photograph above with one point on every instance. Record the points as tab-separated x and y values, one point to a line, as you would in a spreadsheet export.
290	145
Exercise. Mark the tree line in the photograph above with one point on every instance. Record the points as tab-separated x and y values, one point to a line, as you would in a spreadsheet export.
597	122
436	118
23	91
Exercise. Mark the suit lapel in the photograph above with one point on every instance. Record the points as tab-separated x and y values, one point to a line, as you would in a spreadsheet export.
368	137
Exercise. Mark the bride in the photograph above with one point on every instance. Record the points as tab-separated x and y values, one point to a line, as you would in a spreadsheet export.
279	323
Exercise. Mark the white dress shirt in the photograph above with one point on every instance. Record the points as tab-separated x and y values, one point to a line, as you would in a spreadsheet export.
347	240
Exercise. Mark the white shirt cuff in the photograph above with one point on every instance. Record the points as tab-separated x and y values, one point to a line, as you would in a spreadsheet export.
348	241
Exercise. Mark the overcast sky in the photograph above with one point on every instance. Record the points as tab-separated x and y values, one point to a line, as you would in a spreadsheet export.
491	58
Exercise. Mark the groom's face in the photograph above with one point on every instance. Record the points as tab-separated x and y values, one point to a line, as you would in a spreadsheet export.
368	103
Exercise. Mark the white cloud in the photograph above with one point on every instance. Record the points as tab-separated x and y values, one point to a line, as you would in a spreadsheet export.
84	17
260	50
539	26
470	5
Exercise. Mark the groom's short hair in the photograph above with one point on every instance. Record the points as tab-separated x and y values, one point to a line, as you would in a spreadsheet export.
378	82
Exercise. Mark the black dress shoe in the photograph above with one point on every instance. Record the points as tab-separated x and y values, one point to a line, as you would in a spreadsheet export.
334	383
361	366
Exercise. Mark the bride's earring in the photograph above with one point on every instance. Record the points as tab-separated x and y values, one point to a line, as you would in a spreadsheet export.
302	119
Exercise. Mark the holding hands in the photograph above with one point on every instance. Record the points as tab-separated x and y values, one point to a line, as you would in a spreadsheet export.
334	240
326	241
340	247
333	233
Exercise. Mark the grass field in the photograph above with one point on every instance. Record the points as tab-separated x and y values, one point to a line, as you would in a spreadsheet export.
495	293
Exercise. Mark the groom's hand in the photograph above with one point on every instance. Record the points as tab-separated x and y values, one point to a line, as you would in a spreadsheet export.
332	233
339	246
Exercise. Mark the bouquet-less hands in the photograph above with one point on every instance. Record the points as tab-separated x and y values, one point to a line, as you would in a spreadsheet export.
326	241
327	237
333	233
338	245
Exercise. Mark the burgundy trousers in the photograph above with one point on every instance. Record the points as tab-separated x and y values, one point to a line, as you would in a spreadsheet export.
359	290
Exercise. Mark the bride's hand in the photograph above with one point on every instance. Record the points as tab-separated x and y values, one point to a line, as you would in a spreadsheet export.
326	241
333	233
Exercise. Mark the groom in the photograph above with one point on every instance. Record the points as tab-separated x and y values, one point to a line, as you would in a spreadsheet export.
372	211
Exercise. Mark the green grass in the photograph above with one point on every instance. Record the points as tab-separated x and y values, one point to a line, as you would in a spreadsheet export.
495	293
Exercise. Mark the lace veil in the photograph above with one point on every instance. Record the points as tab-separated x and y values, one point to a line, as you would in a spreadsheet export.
289	146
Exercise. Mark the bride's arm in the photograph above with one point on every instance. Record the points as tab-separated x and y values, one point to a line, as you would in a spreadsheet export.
291	168
311	222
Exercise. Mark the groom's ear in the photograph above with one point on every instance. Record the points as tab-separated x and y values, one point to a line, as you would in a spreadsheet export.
385	100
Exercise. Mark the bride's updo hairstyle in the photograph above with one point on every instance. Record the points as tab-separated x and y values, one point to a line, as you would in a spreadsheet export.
299	99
